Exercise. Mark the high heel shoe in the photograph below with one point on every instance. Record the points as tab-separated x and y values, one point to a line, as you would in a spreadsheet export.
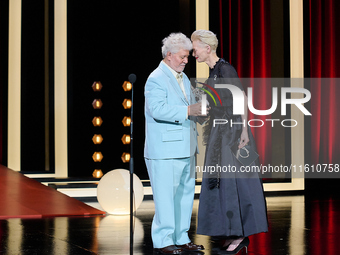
244	243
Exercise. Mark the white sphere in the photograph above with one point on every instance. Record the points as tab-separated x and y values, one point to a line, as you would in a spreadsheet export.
113	192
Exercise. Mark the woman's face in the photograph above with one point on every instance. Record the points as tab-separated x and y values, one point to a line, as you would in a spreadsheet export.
199	51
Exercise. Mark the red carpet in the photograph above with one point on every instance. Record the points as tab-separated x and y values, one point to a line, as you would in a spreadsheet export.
22	197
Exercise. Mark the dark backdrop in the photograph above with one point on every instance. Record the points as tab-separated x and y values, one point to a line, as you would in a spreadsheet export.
3	79
108	40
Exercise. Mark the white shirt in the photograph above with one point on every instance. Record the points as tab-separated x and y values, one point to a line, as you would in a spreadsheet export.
179	78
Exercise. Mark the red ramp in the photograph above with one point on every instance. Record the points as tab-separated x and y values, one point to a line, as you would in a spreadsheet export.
22	197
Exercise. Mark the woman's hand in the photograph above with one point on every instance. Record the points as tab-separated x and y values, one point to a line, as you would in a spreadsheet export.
244	139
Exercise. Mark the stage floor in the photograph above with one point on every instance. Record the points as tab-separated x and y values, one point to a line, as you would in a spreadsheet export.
298	225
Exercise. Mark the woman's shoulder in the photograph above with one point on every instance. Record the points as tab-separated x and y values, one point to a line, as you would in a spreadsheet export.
223	64
226	69
228	74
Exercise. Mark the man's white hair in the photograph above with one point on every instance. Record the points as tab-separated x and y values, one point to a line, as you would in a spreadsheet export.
174	43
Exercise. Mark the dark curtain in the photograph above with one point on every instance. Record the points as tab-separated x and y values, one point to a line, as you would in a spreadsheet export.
1	93
1	90
1	121
244	37
3	79
324	41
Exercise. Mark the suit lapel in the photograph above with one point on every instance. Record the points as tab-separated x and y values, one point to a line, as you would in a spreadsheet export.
174	83
187	87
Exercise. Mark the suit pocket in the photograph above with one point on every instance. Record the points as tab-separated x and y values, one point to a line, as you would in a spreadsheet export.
171	127
172	136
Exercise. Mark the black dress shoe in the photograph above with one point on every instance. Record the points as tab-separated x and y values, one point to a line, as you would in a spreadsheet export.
171	249
191	247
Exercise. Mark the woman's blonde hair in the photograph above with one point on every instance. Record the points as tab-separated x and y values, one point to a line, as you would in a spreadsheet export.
206	37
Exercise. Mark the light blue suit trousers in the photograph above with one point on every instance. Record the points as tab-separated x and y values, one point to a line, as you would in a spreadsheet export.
173	187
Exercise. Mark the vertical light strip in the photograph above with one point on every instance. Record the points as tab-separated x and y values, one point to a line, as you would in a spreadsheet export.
202	22
202	71
14	85
296	39
60	87
297	75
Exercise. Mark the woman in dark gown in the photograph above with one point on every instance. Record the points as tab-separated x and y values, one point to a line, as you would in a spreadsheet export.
232	204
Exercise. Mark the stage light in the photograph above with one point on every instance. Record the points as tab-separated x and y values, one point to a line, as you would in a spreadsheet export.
97	139
127	86
127	103
126	139
97	156
97	86
125	157
97	104
97	121
126	121
97	173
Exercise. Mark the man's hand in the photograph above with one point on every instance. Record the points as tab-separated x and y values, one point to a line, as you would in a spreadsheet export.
196	110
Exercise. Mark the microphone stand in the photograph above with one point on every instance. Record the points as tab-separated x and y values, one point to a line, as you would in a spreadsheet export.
132	79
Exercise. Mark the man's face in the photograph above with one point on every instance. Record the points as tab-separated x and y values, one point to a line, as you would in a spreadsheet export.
178	60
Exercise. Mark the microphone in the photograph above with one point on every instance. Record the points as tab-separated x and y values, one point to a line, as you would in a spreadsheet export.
132	78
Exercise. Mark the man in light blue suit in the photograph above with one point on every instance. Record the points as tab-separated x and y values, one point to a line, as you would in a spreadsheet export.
170	147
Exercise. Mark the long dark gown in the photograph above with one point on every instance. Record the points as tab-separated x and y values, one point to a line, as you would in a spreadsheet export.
231	203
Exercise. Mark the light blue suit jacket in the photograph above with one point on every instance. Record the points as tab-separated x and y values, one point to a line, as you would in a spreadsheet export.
168	131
